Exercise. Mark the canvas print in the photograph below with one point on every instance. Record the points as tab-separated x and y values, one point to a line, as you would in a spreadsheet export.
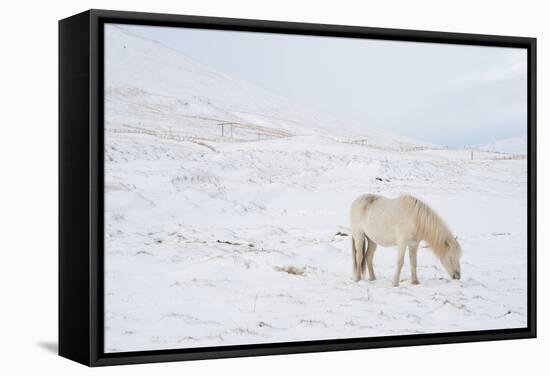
267	188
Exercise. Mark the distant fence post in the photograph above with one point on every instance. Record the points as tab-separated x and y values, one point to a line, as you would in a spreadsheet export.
222	125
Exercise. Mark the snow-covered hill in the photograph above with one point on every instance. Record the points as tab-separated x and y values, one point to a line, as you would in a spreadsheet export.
188	100
243	238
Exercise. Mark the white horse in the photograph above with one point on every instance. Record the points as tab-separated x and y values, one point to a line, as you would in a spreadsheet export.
403	221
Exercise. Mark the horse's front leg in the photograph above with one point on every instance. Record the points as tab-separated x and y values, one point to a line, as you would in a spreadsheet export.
413	255
401	248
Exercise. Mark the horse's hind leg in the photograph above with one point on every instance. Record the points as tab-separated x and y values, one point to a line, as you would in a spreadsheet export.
354	259
371	247
413	254
358	251
401	248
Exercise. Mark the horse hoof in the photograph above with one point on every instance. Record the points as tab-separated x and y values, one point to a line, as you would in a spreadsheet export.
372	278
415	282
395	284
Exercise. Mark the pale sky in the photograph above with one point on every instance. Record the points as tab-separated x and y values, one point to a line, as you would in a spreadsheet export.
445	94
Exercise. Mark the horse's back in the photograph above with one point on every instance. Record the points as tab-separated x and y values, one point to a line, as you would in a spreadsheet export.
360	204
364	200
376	216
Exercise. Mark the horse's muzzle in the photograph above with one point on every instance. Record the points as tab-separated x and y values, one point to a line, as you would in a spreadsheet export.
456	275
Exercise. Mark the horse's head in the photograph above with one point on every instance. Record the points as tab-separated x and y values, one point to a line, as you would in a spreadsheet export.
451	258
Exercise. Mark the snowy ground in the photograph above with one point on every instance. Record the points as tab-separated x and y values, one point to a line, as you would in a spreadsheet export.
242	239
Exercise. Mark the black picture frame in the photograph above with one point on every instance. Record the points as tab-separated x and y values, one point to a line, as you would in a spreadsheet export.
81	187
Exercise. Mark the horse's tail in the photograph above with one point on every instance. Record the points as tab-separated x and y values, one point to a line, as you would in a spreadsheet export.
358	211
353	253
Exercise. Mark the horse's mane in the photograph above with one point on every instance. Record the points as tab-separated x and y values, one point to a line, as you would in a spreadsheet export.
429	226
